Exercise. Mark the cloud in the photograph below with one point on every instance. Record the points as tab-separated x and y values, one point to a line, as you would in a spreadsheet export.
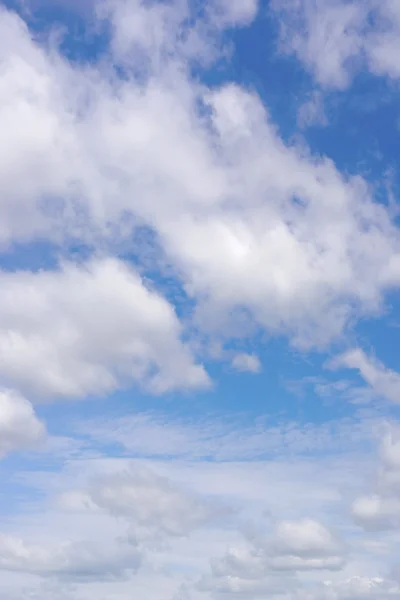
149	500
325	36
256	231
230	13
384	382
20	428
336	39
173	512
383	43
377	513
358	588
269	564
88	329
269	274
390	448
380	509
236	587
306	544
74	561
221	439
246	362
312	112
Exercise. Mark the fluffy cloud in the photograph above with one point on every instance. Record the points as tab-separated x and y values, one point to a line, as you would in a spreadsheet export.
89	329
258	232
19	426
291	254
306	544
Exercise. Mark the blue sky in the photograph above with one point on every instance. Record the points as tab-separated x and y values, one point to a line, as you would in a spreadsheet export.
200	310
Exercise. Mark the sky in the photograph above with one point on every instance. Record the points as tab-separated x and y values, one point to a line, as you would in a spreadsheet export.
199	300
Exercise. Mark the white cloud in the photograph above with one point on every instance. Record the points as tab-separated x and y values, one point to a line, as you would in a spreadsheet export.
269	564
246	362
382	44
233	12
222	439
19	426
376	512
380	509
259	233
335	39
324	35
358	588
38	146
89	329
383	382
390	448
312	112
74	561
164	507
233	587
353	588
296	259
149	500
306	544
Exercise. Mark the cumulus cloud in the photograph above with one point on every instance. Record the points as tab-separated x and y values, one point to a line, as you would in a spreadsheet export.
258	233
88	329
20	428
